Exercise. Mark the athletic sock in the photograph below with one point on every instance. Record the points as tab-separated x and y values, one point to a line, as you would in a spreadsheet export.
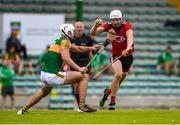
25	108
81	104
107	92
77	97
113	99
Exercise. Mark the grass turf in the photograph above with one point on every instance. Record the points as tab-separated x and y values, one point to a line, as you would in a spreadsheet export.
100	117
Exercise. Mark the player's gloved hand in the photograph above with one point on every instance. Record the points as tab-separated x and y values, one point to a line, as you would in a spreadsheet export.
96	47
98	22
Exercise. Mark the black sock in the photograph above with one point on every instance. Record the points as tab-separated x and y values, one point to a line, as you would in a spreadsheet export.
77	97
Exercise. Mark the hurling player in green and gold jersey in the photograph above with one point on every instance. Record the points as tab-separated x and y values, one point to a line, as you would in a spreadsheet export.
51	74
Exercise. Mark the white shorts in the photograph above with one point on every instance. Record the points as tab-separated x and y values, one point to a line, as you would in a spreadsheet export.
53	79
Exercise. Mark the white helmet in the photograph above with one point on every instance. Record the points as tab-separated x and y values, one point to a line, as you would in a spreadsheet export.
67	27
115	14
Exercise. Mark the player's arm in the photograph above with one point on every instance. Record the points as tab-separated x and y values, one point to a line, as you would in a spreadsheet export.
66	67
97	28
91	41
78	49
90	55
75	48
3	75
66	57
130	39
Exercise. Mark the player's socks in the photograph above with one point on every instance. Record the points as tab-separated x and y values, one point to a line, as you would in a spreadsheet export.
111	106
113	99
77	97
81	104
107	92
85	108
25	108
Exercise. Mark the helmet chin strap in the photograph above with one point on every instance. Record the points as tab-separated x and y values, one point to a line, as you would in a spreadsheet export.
118	27
66	35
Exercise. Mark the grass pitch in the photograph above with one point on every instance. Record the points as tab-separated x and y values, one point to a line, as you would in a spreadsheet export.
100	117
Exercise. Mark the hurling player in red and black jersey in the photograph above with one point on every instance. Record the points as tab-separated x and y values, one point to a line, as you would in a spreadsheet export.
120	33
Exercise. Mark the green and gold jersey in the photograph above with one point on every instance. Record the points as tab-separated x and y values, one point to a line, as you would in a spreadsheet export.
53	61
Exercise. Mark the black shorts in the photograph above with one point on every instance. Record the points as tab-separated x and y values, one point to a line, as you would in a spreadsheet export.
7	91
126	62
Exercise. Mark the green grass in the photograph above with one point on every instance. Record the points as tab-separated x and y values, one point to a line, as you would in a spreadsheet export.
100	117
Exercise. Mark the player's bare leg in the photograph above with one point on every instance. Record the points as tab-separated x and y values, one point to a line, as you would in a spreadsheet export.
118	77
166	66
36	98
12	102
82	82
117	67
175	68
73	77
123	77
3	102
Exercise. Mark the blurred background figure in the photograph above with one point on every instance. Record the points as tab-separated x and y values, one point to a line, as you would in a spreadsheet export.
167	62
17	62
19	48
30	67
14	58
6	75
41	59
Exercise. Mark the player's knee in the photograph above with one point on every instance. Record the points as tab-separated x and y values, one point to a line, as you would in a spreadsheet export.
12	98
86	76
118	76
